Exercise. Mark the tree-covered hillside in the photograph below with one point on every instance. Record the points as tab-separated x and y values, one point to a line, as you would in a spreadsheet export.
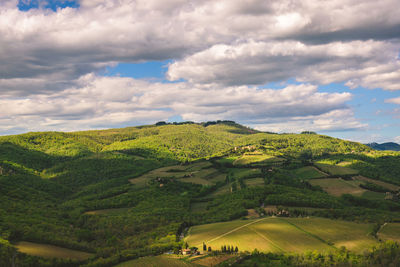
123	193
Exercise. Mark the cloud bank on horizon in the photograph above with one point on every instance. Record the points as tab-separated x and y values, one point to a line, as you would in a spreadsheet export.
266	64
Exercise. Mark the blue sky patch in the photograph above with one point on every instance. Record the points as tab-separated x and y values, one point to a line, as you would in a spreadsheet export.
25	5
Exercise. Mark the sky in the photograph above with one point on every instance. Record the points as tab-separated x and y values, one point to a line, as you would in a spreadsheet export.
332	67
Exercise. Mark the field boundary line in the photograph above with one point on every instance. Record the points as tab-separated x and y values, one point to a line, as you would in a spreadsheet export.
321	172
231	231
266	238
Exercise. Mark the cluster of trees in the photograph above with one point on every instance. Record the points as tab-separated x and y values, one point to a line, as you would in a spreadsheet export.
385	254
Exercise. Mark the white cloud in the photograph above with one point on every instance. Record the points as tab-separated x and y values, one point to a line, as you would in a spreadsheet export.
370	64
114	101
393	100
55	48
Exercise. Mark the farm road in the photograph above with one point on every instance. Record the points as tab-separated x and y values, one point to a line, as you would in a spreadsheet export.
231	231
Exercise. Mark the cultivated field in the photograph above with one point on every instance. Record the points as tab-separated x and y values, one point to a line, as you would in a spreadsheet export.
390	231
50	251
273	234
339	186
197	173
254	182
391	187
340	233
163	260
336	170
212	260
256	158
308	172
107	211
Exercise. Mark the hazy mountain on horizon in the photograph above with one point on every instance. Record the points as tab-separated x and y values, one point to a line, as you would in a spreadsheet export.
385	146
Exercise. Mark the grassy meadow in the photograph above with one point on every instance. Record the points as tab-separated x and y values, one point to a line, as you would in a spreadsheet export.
339	186
308	172
50	251
390	231
284	235
334	169
162	260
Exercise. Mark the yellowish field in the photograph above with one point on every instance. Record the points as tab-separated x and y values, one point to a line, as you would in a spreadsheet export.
255	158
252	214
50	251
107	211
340	233
339	186
155	261
212	261
390	231
273	234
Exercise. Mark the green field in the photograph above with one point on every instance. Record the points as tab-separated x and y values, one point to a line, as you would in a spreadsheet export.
390	231
155	261
198	206
50	251
391	187
244	172
255	182
336	170
308	172
198	173
283	235
354	236
339	186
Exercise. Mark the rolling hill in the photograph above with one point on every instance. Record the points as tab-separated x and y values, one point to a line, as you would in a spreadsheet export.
103	197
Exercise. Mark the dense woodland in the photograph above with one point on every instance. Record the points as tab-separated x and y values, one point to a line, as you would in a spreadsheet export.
49	182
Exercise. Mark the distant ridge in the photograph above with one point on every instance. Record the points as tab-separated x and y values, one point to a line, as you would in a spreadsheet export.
385	146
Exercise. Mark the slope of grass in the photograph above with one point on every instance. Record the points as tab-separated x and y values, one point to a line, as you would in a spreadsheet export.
390	231
284	235
50	251
354	236
335	170
163	260
308	172
338	186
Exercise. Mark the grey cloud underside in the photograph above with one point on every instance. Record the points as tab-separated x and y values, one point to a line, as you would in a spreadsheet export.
222	50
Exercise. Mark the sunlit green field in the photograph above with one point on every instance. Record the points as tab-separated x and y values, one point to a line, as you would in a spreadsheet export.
308	172
50	251
354	236
390	231
163	260
251	158
335	170
273	234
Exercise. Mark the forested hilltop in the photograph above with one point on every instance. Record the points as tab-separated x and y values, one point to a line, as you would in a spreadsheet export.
98	198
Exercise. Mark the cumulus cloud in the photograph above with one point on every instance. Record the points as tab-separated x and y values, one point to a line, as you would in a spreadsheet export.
223	50
393	100
98	102
370	64
59	47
